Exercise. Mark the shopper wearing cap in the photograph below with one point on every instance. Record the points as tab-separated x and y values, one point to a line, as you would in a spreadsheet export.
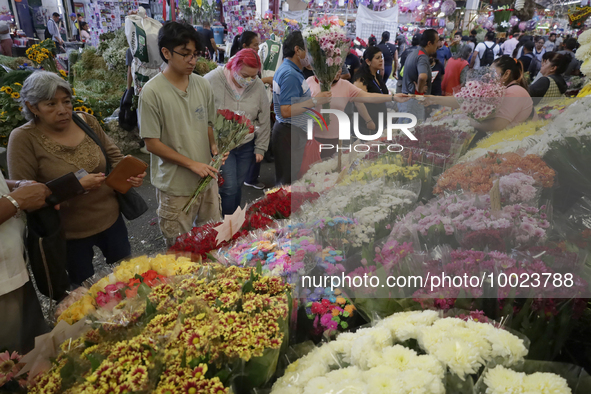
74	26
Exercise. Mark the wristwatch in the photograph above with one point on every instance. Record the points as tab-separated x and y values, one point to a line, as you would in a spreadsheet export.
13	201
314	101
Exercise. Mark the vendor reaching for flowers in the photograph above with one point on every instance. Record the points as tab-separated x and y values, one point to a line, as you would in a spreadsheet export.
53	144
516	105
343	92
239	89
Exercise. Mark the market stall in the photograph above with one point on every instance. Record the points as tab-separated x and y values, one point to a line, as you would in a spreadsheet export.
289	294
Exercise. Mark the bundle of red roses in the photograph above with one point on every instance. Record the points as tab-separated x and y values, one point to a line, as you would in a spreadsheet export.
230	129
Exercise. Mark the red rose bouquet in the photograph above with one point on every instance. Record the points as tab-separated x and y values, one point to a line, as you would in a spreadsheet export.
230	130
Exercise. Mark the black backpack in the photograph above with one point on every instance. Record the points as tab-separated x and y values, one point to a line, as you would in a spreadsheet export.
488	57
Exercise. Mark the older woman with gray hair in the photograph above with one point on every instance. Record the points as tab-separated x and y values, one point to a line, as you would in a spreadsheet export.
53	144
456	70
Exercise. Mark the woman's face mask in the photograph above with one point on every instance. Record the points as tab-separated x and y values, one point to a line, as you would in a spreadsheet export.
243	82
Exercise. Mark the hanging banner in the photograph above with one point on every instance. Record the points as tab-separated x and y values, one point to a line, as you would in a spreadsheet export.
370	22
24	17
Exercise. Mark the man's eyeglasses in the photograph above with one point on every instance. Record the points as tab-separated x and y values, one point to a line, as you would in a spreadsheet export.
188	57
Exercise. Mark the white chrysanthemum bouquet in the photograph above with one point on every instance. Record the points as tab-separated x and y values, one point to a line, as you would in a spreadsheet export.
372	360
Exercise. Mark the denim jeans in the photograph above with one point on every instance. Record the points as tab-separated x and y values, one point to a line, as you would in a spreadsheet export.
234	172
289	144
113	242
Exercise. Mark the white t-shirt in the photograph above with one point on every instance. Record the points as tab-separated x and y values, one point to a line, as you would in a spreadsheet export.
13	270
481	47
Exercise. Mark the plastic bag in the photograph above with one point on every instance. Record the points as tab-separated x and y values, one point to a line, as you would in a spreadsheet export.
142	36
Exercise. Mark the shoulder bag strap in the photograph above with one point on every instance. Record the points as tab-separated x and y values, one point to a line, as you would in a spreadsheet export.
90	132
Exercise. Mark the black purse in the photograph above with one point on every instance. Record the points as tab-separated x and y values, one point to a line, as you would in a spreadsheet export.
131	204
47	250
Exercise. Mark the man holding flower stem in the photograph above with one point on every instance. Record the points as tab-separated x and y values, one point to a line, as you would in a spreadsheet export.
291	98
177	111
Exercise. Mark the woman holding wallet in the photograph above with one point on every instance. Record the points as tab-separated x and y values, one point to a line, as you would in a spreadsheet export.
51	145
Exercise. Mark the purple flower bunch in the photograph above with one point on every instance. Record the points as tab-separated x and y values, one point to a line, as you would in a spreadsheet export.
462	215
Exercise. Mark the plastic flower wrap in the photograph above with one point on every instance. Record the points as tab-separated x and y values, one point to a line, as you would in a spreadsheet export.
193	334
260	215
439	144
230	129
481	96
573	122
107	289
570	158
477	176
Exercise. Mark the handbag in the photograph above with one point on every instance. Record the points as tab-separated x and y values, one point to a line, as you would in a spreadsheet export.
127	116
131	204
47	250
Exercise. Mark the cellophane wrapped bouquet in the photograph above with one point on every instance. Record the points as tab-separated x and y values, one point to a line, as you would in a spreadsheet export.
218	330
230	129
327	46
481	95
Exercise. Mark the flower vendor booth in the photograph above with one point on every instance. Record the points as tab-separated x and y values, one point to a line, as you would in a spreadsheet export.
460	264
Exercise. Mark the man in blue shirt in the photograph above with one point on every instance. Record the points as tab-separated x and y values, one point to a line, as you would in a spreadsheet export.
291	97
443	52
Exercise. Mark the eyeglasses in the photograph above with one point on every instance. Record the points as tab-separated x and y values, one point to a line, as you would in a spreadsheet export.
188	57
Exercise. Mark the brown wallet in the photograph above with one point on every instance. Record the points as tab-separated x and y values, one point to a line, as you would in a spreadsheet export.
128	167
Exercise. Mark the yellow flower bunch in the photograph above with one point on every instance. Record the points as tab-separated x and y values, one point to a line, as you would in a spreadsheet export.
517	133
84	108
384	170
188	324
585	91
166	265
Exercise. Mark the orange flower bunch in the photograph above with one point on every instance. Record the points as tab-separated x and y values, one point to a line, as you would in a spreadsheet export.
477	176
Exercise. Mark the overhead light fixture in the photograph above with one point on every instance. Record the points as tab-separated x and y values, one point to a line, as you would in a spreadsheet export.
547	9
572	2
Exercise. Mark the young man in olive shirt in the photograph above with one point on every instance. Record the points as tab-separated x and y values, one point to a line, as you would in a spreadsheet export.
177	112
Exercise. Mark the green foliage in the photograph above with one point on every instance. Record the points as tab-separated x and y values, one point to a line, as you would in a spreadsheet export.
204	66
11	116
114	54
18	76
100	87
13	62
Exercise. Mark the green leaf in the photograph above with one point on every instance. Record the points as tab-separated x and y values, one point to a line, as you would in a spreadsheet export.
150	308
139	277
95	360
144	290
184	359
259	268
247	287
210	257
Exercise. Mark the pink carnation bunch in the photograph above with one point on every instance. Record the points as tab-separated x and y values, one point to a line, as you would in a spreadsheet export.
479	99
